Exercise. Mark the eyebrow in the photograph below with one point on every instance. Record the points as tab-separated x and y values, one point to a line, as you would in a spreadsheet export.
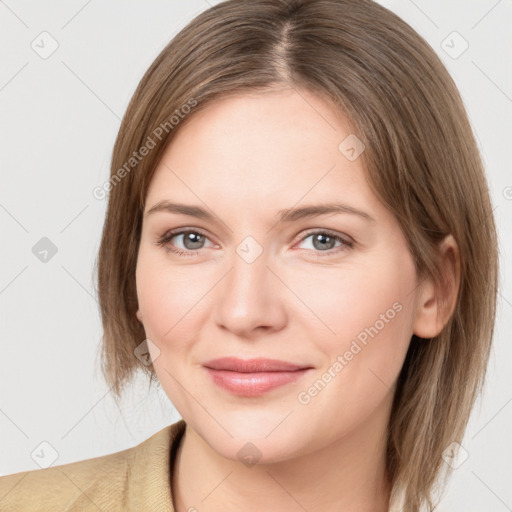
285	215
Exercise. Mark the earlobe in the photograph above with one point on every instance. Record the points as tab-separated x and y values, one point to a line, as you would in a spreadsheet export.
139	315
437	301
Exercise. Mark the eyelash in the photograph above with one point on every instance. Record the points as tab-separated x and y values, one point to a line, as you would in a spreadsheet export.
169	235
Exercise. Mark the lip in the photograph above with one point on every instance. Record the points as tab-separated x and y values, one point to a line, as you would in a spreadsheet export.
234	364
253	377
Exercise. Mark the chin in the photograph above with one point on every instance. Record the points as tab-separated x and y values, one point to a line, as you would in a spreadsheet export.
257	452
255	442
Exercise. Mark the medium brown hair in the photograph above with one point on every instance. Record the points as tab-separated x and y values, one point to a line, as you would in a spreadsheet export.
421	161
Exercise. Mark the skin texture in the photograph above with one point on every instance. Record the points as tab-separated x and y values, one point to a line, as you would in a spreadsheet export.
244	158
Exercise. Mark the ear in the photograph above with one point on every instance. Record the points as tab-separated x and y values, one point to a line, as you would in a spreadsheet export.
436	301
138	314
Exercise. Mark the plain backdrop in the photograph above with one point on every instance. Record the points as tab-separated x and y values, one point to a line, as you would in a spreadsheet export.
68	71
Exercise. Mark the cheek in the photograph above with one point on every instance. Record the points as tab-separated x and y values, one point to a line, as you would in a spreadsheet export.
343	301
171	298
371	315
363	313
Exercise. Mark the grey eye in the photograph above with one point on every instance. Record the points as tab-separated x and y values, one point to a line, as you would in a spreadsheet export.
192	240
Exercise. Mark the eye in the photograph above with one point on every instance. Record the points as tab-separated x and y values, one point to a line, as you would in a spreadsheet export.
191	239
325	242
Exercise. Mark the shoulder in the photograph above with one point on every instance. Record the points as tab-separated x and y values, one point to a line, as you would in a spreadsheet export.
123	480
76	484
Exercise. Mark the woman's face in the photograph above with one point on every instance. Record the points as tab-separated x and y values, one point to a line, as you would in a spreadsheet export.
334	292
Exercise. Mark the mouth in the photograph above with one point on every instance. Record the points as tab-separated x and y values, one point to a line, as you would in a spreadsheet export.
253	377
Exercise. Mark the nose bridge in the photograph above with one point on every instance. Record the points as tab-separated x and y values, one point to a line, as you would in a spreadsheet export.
249	298
248	279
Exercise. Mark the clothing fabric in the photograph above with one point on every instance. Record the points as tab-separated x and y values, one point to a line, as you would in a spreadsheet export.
133	480
137	479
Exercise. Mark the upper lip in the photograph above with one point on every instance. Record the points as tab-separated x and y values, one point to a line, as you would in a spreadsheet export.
235	364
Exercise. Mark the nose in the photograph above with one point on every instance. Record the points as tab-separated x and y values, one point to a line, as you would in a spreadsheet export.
251	298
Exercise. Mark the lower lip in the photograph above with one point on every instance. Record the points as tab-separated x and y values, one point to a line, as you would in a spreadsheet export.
253	384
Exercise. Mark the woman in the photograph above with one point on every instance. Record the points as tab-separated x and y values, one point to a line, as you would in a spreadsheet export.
299	246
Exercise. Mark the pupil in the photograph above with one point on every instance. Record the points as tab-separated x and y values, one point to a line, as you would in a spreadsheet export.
189	238
321	238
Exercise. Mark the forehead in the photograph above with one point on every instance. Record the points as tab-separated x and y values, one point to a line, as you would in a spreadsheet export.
273	148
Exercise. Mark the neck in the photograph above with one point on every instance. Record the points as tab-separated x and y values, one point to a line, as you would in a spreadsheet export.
348	475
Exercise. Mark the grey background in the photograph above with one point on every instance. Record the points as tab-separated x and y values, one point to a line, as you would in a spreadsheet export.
60	114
